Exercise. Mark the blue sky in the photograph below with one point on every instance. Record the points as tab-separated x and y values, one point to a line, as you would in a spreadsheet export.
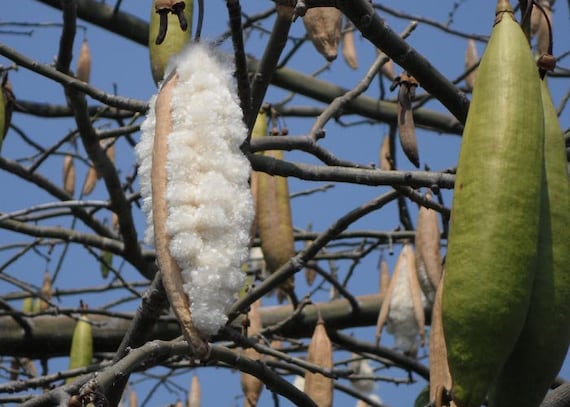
122	66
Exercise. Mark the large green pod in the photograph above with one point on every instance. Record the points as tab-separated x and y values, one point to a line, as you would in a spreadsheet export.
492	245
543	343
174	40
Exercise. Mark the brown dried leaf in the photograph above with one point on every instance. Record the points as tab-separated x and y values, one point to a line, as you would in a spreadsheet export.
171	273
195	393
318	387
84	63
428	250
385	154
323	25
69	174
348	47
471	58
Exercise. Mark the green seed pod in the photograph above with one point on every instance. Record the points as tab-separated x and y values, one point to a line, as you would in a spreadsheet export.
543	343
106	263
492	248
173	40
81	352
273	217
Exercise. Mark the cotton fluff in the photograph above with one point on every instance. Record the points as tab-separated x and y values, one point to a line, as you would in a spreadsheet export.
210	207
401	320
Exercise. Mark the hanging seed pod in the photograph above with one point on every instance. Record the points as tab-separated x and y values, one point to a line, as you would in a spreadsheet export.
81	353
83	70
167	36
251	385
310	272
440	378
384	278
428	251
385	154
133	398
105	263
201	223
7	101
46	291
495	214
259	130
402	310
324	25
387	69
543	33
406	126
318	387
195	393
69	174
90	181
348	47
274	221
543	342
471	58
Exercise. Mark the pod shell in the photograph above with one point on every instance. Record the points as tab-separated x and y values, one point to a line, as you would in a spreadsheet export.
492	246
543	343
173	43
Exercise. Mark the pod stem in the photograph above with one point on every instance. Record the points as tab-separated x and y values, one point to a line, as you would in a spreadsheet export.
503	7
546	62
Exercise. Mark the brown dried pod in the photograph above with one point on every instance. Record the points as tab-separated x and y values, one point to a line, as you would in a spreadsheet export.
440	377
428	251
471	58
384	278
543	33
348	47
388	68
385	154
323	25
90	181
274	222
406	126
171	272
251	385
69	174
319	387
83	70
535	17
133	398
195	393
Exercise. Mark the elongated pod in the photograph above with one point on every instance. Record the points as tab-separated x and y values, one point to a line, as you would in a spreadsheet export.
273	211
323	25
174	39
81	352
194	184
492	245
543	343
317	386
